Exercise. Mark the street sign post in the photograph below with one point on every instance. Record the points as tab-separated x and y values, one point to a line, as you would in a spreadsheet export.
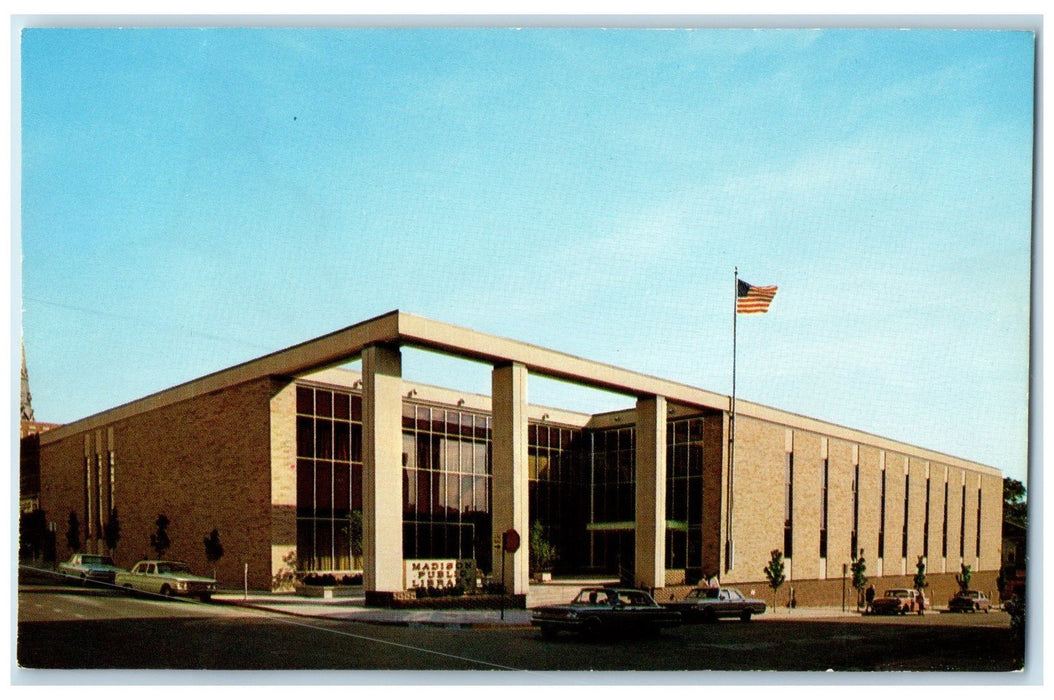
510	542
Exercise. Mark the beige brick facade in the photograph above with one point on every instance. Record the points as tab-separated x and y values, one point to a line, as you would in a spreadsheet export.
840	506
759	507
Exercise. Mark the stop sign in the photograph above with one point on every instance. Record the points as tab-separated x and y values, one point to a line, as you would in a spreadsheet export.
510	540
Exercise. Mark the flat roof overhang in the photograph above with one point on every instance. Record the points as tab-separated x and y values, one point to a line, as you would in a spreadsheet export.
402	329
399	328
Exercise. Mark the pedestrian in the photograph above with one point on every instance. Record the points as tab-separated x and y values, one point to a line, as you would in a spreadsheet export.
869	596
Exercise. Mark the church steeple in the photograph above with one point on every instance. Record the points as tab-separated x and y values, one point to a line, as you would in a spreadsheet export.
27	398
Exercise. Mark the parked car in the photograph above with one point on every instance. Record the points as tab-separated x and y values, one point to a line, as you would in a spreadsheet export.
709	604
167	578
603	609
898	601
90	567
969	601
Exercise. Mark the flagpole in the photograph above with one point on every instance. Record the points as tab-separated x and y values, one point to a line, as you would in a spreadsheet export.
729	550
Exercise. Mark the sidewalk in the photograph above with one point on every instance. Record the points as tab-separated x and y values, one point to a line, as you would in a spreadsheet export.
354	609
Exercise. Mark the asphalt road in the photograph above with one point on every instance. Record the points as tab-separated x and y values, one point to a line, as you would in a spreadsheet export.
68	628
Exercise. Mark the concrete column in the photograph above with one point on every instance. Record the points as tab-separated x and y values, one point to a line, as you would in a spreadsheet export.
650	553
382	467
509	470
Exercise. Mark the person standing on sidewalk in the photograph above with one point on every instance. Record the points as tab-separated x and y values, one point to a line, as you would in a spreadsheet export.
869	596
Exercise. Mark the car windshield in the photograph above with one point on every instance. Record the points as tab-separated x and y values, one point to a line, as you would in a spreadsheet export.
173	567
897	594
97	560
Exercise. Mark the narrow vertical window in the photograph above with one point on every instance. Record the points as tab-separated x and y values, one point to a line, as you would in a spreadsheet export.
788	507
944	527
113	476
926	523
853	539
823	512
882	518
962	523
99	494
87	496
904	532
978	543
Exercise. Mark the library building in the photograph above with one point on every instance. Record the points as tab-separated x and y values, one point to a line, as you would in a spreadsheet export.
300	463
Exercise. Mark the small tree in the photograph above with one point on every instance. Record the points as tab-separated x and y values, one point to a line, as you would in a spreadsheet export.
920	574
111	531
858	568
73	533
1015	505
159	541
774	573
213	549
289	575
963	577
541	550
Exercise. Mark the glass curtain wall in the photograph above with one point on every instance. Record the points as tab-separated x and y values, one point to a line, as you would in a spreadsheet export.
446	484
684	495
559	488
328	479
612	500
582	487
612	489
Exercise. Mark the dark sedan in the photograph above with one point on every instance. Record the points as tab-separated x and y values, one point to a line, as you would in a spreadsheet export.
605	610
709	604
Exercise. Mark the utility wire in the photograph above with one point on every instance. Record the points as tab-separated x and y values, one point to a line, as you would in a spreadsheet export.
168	328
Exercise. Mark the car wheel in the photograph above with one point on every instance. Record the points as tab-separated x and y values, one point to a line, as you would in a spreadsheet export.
205	597
745	616
709	616
549	632
128	588
166	591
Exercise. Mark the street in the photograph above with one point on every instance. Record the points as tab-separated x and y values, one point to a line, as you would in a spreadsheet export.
75	628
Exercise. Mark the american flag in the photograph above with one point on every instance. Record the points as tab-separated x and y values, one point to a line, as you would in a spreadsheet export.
753	300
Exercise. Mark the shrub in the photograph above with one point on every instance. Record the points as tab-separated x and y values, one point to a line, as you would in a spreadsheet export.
287	575
493	588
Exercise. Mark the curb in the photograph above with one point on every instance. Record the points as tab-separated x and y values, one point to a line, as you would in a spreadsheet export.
387	623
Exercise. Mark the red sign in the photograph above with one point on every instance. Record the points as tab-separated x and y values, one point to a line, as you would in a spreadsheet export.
510	540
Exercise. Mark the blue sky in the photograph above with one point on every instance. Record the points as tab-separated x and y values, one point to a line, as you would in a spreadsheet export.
192	199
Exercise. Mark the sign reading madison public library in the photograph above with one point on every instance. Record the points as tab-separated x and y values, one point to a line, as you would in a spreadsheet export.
440	573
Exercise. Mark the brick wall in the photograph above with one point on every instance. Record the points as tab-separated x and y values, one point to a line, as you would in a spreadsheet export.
758	498
283	474
758	514
203	462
